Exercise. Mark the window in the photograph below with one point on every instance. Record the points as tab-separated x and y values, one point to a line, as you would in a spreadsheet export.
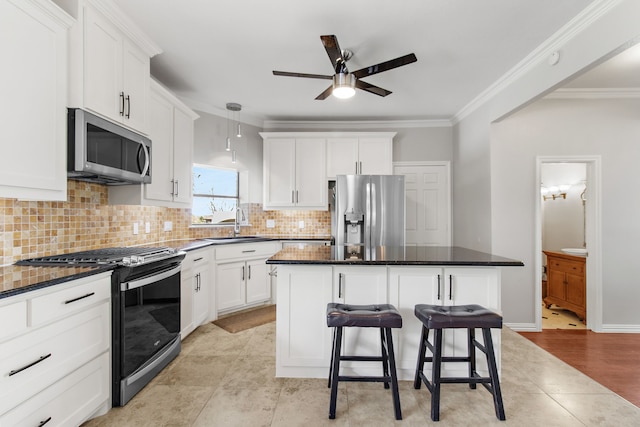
215	195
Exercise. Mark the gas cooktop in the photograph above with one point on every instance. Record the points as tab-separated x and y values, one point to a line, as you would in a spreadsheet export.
107	256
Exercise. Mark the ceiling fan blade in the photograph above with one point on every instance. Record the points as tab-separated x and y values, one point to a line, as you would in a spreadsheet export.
325	94
310	76
385	66
332	47
372	88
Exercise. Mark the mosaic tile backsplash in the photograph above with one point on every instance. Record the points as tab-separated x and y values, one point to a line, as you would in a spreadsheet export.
86	221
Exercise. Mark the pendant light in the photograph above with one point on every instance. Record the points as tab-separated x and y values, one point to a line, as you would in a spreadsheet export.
235	108
228	144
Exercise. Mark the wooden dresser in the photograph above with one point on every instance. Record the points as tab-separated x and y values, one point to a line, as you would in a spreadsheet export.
566	282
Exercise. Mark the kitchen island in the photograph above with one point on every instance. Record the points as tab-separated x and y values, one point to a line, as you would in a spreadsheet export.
309	277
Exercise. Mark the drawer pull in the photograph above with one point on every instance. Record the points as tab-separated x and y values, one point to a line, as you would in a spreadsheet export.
44	422
197	259
17	371
248	250
79	298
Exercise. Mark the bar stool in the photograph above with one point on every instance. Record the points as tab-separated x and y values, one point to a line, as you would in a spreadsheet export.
469	317
382	316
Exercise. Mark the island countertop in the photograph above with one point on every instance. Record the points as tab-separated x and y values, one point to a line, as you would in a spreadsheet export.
390	255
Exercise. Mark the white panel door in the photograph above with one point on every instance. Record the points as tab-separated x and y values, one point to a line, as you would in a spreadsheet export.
428	211
230	285
258	283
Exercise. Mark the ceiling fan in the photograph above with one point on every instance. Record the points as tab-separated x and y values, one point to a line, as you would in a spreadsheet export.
344	81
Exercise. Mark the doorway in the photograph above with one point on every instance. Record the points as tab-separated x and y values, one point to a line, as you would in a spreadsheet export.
572	224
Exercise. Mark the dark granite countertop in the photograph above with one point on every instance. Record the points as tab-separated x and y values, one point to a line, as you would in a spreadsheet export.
390	255
16	279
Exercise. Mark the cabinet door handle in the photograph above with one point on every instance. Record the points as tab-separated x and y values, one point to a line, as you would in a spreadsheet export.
128	114
356	167
438	287
35	362
292	198
243	272
360	168
43	422
450	286
173	188
122	103
297	200
69	301
340	285
249	277
177	187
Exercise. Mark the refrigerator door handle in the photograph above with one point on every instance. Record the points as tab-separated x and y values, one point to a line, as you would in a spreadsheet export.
368	220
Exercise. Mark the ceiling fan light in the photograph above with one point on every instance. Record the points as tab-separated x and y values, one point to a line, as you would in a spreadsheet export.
344	85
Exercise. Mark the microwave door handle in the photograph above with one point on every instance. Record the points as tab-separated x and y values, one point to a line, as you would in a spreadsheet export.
146	160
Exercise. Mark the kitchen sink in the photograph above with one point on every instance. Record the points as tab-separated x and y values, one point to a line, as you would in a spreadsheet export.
237	239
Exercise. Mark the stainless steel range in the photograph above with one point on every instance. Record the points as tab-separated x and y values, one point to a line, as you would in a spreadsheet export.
145	290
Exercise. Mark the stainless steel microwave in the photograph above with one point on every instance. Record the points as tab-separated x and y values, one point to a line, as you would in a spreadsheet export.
103	152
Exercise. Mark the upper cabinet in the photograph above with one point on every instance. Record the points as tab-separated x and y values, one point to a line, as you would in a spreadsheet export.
294	172
171	133
109	71
34	90
360	154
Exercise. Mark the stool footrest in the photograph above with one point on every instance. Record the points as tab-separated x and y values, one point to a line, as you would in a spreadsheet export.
364	379
363	358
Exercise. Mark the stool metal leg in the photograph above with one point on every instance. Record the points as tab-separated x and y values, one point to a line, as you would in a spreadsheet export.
424	336
335	369
385	357
471	348
394	378
435	378
493	373
333	349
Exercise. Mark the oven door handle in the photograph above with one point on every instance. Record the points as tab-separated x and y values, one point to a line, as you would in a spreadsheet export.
149	279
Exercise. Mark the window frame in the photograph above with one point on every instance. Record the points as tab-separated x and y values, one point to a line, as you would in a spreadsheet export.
214	196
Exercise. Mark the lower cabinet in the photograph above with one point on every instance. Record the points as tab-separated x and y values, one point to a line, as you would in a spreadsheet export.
196	285
242	276
304	340
57	368
566	282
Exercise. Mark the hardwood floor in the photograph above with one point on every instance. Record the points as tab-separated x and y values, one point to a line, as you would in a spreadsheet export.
610	359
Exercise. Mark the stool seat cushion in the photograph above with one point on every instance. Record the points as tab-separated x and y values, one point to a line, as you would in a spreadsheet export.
457	316
364	316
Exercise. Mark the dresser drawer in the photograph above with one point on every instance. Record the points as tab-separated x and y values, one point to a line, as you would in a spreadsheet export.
13	319
566	266
66	301
246	251
66	403
35	360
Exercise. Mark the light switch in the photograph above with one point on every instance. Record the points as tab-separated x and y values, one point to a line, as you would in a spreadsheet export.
147	227
168	226
135	228
300	224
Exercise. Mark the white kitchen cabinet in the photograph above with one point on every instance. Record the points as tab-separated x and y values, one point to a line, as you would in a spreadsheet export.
61	357
196	284
34	90
294	173
303	338
111	65
242	277
171	155
363	154
360	285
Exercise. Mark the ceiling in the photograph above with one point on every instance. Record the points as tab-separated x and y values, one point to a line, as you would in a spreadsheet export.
215	52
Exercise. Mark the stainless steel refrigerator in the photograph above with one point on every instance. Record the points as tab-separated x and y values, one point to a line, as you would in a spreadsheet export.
369	210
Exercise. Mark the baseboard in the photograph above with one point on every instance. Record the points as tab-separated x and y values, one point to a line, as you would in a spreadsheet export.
626	329
522	327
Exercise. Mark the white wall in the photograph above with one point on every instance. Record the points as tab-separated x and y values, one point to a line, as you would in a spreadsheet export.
609	128
492	183
210	136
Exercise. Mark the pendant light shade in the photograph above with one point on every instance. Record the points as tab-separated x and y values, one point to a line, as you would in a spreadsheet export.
227	146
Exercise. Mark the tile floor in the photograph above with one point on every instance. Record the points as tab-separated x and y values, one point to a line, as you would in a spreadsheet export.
223	379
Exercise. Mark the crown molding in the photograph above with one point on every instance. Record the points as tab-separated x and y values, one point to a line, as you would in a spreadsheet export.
609	93
355	125
590	14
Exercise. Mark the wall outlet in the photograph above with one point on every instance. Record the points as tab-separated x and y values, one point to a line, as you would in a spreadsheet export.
168	226
135	228
147	227
271	223
300	224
